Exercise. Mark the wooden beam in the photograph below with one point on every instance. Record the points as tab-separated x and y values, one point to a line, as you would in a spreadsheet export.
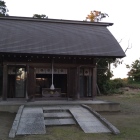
5	80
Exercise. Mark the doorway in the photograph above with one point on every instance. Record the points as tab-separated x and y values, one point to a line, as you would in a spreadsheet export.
16	82
45	81
86	82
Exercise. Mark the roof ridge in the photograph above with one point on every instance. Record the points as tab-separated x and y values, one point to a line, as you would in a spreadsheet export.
56	20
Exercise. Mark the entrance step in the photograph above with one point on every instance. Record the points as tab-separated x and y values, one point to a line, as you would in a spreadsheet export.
66	121
54	110
35	119
57	116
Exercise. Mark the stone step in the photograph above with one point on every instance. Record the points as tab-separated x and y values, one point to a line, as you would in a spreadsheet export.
58	115
55	122
49	110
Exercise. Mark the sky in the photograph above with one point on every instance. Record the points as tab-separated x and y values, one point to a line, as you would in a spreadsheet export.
123	13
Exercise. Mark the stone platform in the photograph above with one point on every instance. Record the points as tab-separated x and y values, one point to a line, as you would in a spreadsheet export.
97	105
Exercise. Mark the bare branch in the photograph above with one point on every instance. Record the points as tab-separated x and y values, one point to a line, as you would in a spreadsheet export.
128	47
120	41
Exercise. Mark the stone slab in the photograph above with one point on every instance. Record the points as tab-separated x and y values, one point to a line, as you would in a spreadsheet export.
32	110
68	121
88	123
50	115
69	106
31	128
79	110
57	115
91	129
51	107
32	121
111	127
32	115
54	110
13	105
51	122
64	114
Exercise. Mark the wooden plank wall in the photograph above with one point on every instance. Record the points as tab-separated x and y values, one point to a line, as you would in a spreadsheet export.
71	82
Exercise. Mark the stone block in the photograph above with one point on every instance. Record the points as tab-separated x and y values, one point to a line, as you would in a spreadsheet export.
52	122
69	121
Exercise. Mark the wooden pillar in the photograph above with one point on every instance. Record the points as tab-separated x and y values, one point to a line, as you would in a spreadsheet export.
68	79
72	82
31	82
27	74
94	82
5	80
78	83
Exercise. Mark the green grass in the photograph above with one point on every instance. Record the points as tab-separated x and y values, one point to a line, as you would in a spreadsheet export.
127	121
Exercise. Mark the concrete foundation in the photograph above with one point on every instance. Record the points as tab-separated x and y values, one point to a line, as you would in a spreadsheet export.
97	105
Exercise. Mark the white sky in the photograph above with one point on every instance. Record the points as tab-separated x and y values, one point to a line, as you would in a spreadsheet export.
123	13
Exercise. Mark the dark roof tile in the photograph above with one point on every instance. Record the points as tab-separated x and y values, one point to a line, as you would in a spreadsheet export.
59	38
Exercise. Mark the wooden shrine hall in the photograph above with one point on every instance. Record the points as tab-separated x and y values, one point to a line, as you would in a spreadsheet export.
51	58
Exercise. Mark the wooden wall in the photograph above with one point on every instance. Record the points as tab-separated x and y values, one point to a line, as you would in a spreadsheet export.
73	78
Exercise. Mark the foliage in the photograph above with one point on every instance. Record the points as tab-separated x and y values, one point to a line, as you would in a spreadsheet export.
134	73
103	72
39	16
133	85
96	16
113	86
3	8
104	75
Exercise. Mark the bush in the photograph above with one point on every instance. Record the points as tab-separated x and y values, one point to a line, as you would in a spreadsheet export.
112	86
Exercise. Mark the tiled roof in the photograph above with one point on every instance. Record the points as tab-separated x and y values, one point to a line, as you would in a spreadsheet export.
58	37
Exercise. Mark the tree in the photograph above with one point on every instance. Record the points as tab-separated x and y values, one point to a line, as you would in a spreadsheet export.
3	9
134	73
39	16
104	73
96	16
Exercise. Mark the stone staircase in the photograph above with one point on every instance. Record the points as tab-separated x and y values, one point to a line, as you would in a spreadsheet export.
34	119
54	117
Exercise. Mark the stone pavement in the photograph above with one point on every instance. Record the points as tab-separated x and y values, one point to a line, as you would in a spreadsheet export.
34	119
31	121
88	122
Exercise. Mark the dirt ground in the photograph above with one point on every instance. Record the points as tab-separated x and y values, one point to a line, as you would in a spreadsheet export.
127	121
